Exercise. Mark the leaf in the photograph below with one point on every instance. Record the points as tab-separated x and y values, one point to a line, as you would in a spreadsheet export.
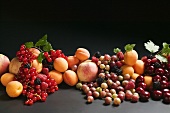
29	44
40	57
129	47
150	46
165	49
47	47
42	41
161	58
116	50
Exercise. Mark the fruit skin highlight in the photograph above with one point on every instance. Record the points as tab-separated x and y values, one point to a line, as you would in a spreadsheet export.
14	66
6	78
70	77
87	71
14	89
60	64
4	64
82	54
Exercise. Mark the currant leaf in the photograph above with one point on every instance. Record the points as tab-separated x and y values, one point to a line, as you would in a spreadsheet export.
161	58
47	47
42	41
165	49
40	57
116	50
150	46
29	44
129	47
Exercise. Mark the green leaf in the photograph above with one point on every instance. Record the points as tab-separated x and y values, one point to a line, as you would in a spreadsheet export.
150	46
161	58
40	57
116	50
129	47
47	47
42	41
165	45
165	49
29	44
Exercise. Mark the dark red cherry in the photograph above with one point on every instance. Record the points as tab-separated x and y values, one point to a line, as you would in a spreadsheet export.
164	84
156	78
119	64
144	96
150	69
165	91
164	78
154	60
113	77
156	95
168	66
144	58
148	62
139	79
166	73
159	71
139	90
142	85
166	98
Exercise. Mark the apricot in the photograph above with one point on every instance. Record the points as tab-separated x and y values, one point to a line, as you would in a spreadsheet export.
82	54
139	67
70	77
14	88
130	57
37	65
148	80
6	78
87	71
60	64
126	69
57	76
72	60
134	76
35	51
14	66
4	64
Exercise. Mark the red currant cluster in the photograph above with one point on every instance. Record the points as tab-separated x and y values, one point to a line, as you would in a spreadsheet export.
36	86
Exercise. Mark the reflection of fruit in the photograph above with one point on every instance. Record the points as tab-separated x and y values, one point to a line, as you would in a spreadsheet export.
72	60
35	51
14	66
60	64
4	64
82	54
70	77
139	67
14	88
37	65
87	71
6	78
57	76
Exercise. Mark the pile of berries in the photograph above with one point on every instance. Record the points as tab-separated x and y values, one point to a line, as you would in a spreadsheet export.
36	86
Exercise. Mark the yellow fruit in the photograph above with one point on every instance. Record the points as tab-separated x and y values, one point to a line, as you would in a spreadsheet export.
6	78
60	64
57	76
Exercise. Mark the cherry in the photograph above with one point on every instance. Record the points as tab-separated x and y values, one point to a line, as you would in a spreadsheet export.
164	84
139	89
159	71
166	98
139	79
156	95
144	58
144	96
164	78
156	78
148	62
113	77
142	85
119	64
150	69
165	91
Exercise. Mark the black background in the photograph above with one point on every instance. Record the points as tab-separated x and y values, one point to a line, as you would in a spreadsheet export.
94	24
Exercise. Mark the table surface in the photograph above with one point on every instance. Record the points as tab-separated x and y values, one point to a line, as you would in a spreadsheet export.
104	37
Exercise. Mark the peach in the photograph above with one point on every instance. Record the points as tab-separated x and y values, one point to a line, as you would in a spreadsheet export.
148	80
4	64
6	78
35	51
70	77
82	54
14	88
37	65
87	71
72	60
14	66
60	64
57	76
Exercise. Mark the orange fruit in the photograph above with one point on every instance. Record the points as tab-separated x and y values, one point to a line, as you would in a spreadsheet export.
38	66
14	88
57	76
60	64
130	57
72	60
70	77
139	67
134	76
82	54
126	69
148	80
35	51
6	78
